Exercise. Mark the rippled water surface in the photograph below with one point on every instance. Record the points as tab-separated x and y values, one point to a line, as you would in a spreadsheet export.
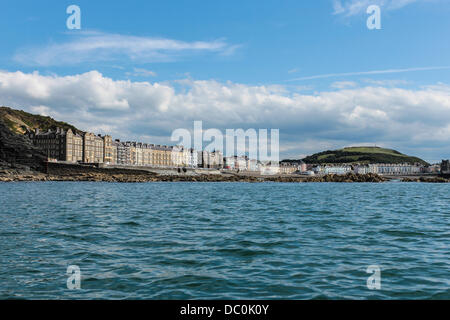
224	240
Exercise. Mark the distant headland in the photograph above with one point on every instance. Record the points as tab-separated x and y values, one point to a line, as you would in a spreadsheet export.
362	155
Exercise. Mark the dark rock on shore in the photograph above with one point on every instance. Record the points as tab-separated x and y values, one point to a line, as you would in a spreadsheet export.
64	172
17	152
427	179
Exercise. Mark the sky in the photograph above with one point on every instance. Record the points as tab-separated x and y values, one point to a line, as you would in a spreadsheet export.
312	69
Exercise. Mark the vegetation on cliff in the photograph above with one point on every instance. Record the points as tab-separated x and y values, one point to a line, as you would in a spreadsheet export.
20	122
16	149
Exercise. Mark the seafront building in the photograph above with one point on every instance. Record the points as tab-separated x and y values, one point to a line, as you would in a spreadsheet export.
269	168
93	151
207	159
241	163
289	168
59	144
75	147
252	165
389	169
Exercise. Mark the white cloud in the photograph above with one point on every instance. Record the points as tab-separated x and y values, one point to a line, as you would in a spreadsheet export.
140	72
414	121
343	84
97	46
373	72
388	83
354	7
41	110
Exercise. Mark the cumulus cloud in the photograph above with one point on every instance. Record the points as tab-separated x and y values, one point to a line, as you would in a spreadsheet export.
414	121
97	46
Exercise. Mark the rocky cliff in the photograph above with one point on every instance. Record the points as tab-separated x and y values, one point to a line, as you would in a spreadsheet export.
17	152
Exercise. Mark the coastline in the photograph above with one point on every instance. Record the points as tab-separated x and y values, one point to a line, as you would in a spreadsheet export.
143	176
70	172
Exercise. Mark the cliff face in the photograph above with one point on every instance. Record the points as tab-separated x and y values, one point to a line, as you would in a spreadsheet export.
17	152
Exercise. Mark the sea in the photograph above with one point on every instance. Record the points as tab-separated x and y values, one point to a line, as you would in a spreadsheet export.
184	240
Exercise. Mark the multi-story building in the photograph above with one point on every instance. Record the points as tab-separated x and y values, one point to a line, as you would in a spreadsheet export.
207	159
332	169
185	155
132	149
177	157
108	155
123	152
146	154
114	151
376	168
92	148
74	143
161	156
240	163
252	165
193	158
139	151
398	169
288	168
361	169
229	163
434	168
338	169
59	144
269	168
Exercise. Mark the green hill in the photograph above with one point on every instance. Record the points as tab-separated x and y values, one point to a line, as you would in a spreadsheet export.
20	122
363	155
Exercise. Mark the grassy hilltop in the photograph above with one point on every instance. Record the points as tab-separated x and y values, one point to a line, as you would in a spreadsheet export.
19	121
363	155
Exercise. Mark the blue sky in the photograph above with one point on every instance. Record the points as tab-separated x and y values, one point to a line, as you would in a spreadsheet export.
310	68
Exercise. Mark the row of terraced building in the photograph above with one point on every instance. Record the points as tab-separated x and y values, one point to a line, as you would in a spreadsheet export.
74	147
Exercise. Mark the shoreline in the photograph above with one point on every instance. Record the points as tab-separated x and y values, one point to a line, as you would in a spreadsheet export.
143	177
83	173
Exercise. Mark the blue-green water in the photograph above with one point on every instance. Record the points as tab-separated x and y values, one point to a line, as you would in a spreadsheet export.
224	240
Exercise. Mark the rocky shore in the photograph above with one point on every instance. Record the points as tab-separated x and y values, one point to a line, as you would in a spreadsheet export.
100	175
427	179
